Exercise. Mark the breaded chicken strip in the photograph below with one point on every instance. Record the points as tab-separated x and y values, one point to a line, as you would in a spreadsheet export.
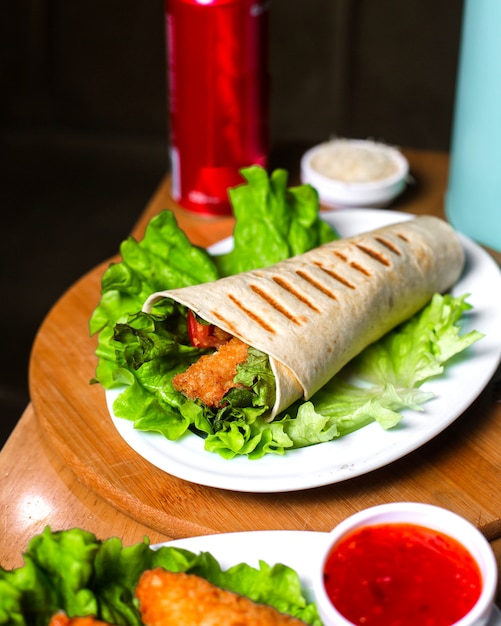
61	619
212	375
179	599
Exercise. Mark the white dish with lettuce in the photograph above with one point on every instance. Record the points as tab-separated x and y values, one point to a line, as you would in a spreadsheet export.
366	448
75	572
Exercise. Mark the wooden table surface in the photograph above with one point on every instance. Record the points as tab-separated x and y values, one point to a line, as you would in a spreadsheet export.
64	464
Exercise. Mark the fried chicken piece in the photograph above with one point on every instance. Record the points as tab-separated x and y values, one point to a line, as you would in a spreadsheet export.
61	619
212	375
179	599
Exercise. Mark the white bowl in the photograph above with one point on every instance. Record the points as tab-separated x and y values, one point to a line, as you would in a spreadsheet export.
355	173
426	515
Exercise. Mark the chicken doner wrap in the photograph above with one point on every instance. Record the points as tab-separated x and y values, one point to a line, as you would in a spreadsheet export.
310	315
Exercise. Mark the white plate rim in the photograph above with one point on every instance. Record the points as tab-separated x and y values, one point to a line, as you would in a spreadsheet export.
315	466
298	549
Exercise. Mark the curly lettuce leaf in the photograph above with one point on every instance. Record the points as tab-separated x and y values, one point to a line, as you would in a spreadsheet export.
155	355
74	572
57	572
422	346
273	222
163	259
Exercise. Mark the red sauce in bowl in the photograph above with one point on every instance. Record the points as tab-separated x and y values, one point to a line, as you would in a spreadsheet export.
401	574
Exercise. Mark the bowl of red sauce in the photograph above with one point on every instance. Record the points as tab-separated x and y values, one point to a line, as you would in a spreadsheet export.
405	563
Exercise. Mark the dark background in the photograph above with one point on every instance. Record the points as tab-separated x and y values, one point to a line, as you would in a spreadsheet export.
84	134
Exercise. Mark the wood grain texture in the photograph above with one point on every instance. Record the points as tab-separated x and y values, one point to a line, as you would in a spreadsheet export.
459	469
37	489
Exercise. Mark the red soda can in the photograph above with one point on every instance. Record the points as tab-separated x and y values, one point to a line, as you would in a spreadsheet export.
217	57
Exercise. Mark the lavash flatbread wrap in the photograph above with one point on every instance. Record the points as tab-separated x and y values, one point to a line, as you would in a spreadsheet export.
314	313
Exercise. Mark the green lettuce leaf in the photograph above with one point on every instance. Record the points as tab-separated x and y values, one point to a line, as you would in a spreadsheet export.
421	347
163	259
74	572
57	573
273	222
152	355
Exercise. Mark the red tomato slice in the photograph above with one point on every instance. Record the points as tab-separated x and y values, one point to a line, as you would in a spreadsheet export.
203	335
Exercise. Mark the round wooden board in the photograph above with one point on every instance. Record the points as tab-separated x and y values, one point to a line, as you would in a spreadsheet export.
459	469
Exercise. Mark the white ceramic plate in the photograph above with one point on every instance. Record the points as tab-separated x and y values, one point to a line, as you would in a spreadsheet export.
295	548
368	448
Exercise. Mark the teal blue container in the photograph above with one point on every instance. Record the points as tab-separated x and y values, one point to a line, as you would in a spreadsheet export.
473	198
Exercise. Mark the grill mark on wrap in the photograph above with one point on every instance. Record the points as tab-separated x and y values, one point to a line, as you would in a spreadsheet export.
374	254
353	264
251	314
360	268
232	328
315	283
389	245
333	274
281	282
364	248
275	304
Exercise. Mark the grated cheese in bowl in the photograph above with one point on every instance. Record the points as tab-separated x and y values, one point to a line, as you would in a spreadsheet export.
354	163
349	172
